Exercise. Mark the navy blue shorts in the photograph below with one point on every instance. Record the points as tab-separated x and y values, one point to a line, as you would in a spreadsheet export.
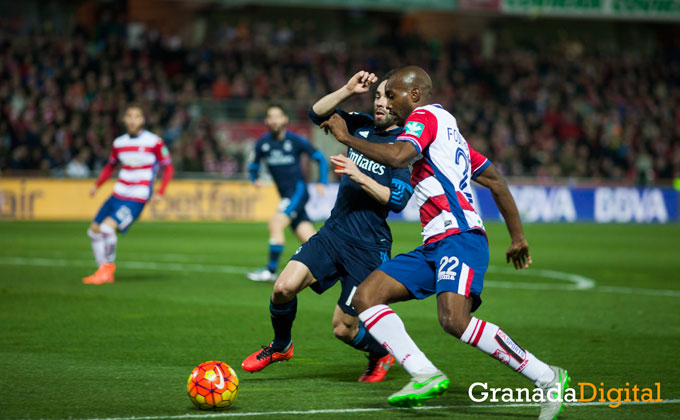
331	257
124	212
456	263
294	207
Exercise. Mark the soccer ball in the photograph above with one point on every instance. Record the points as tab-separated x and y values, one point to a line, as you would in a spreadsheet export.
212	385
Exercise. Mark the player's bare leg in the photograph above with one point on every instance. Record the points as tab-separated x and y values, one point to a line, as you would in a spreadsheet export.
379	289
277	224
304	231
345	326
104	241
294	278
371	300
349	330
283	308
454	317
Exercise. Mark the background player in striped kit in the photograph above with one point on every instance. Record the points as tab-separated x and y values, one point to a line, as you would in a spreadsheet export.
455	255
140	154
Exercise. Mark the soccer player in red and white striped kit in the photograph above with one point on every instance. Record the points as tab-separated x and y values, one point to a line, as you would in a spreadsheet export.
140	153
455	253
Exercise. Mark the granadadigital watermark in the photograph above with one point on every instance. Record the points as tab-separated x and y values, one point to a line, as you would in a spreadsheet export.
480	392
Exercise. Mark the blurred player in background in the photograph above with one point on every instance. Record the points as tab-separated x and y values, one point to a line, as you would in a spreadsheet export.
140	154
455	255
354	240
281	151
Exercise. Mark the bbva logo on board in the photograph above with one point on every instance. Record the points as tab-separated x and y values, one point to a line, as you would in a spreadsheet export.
630	205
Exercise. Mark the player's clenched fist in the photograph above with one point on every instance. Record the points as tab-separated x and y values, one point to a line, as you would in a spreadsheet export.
361	82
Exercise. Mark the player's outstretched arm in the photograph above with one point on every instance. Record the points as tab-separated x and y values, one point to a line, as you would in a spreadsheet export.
518	252
396	155
357	84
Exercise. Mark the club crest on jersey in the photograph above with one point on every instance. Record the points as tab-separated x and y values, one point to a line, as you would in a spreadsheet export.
363	133
414	128
287	146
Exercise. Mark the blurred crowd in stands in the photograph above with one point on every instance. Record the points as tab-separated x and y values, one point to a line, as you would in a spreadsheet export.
559	113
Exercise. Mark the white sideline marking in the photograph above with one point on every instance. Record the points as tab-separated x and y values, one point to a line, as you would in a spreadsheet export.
368	410
576	282
140	265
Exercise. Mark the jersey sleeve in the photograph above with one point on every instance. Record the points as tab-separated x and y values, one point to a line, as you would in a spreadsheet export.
354	120
316	155
420	129
304	146
400	189
478	162
113	157
162	153
108	169
254	167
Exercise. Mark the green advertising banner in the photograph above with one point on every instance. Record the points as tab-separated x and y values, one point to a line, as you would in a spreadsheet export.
641	9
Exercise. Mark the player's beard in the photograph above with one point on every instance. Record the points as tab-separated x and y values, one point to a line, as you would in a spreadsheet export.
278	133
385	123
134	131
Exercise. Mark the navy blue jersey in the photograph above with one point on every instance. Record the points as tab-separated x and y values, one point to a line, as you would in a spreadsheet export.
356	214
283	160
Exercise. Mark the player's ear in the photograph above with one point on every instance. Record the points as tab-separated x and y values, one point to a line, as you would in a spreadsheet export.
415	95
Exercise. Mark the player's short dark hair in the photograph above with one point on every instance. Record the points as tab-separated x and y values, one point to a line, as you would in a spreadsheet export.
134	105
137	106
384	79
389	74
276	105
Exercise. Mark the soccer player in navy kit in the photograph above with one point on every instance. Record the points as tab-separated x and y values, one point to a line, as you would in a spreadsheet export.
281	150
354	240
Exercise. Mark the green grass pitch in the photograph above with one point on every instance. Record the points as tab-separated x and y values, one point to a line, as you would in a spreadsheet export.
125	350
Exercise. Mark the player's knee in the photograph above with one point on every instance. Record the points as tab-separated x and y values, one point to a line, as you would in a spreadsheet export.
342	332
282	293
453	324
278	221
361	300
345	327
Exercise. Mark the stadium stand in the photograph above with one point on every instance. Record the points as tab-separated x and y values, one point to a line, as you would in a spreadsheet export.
545	112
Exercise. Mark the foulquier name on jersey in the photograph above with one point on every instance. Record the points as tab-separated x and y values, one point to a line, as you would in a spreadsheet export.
365	163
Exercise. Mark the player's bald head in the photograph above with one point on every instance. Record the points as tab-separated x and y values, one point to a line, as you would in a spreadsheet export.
413	77
406	90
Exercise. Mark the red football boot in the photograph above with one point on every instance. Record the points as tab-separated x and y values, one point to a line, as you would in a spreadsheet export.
377	368
263	358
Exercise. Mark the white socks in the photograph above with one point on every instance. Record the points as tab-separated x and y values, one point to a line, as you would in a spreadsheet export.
97	240
110	242
388	329
490	339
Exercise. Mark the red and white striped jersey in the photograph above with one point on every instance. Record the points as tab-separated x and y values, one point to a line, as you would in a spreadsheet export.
140	158
442	176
